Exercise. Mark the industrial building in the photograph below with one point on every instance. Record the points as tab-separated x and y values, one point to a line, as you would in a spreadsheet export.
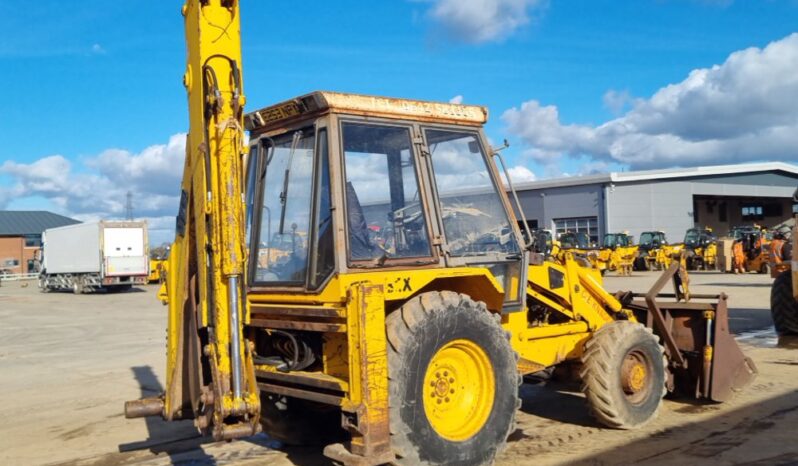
671	200
21	237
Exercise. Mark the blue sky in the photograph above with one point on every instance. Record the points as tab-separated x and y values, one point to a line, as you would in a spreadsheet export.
98	82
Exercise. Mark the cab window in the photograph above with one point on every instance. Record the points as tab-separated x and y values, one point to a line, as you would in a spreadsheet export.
385	219
474	219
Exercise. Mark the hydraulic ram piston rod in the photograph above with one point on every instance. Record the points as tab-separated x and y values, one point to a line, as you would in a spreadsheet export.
235	335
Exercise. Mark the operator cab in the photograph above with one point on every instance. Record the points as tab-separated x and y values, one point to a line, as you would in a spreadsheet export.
343	183
699	238
575	240
652	240
616	240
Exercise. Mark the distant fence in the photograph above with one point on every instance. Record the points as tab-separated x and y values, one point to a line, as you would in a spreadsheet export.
18	276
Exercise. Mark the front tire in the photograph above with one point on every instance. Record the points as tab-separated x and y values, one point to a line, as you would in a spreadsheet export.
453	381
641	264
783	306
623	375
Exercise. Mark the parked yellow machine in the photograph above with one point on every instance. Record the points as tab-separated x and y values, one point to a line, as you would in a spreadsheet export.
578	244
784	292
156	270
405	308
703	247
618	253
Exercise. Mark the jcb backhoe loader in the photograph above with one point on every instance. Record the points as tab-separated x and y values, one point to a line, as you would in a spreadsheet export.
403	306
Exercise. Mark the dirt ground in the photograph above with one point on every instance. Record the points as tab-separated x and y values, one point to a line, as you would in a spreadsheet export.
68	363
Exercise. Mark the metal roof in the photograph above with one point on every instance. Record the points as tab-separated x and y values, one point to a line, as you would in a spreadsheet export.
656	175
368	105
30	222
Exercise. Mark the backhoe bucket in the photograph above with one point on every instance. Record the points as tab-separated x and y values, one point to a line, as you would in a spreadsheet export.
704	358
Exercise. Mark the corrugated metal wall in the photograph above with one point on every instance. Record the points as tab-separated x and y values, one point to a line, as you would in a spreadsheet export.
665	205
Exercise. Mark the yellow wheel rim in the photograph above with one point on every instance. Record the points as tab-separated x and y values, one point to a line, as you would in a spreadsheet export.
459	389
635	377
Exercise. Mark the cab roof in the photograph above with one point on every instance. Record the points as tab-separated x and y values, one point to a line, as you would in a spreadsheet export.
320	102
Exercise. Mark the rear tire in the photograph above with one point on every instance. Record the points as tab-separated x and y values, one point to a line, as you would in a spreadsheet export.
453	381
623	375
783	306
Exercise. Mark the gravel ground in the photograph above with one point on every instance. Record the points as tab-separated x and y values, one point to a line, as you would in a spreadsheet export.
69	362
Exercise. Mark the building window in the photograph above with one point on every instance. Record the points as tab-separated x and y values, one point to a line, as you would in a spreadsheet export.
587	224
33	241
11	262
753	212
773	210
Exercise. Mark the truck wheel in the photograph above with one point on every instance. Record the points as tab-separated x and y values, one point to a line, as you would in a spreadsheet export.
623	374
453	381
641	264
77	287
783	306
299	422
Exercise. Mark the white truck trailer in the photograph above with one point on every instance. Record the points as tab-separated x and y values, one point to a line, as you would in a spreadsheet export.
90	256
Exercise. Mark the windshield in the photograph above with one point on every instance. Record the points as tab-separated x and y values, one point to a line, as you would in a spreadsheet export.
286	170
691	238
610	240
647	238
474	219
385	219
577	240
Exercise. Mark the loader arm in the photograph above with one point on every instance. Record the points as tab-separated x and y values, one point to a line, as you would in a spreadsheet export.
210	375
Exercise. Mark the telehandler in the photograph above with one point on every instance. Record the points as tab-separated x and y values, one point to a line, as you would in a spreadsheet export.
703	247
405	306
648	247
618	253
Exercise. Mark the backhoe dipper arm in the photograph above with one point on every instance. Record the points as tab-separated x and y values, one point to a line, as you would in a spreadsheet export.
210	375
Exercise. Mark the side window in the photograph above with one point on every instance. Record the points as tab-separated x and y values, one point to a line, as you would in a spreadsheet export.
249	188
323	262
286	166
474	219
385	218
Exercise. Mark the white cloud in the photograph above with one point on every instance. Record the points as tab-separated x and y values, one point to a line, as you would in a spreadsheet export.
97	49
97	188
477	21
742	110
519	174
458	99
617	101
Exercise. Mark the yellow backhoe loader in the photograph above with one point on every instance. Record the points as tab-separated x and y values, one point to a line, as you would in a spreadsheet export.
404	305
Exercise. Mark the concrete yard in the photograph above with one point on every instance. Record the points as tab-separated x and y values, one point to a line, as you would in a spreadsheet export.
69	362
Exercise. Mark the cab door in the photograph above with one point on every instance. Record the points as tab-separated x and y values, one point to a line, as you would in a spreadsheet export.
473	214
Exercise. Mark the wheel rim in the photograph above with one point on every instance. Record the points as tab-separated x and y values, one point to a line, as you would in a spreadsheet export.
459	389
636	373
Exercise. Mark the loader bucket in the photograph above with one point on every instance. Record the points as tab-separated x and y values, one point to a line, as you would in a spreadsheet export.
704	359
